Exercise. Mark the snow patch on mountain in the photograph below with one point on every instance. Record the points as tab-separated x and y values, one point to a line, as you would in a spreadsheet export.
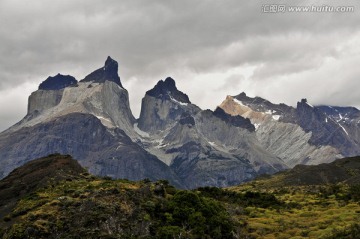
276	117
176	101
268	112
344	129
309	104
239	102
105	121
140	132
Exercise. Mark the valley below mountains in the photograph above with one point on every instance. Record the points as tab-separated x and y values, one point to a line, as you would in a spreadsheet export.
54	197
173	138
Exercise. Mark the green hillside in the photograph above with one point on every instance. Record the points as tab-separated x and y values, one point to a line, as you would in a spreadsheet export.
346	170
80	205
63	201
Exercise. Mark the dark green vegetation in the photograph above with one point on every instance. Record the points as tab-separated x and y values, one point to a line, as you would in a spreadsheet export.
352	232
54	197
80	205
323	202
249	198
346	170
35	175
314	211
190	215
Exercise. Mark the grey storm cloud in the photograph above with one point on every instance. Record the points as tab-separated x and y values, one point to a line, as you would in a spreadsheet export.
188	40
231	82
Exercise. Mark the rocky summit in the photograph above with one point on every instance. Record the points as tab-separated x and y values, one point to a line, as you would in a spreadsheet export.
167	90
107	73
57	82
173	138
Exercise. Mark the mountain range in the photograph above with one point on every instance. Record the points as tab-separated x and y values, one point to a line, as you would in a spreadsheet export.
173	138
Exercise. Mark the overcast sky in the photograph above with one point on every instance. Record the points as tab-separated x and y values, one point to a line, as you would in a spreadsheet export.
212	48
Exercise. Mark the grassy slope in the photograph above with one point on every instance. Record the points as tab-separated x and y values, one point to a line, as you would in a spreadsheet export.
313	212
346	170
93	207
324	199
34	175
80	205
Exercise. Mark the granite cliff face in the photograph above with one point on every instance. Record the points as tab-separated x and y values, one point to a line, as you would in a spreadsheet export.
102	97
163	106
348	118
203	147
325	131
103	151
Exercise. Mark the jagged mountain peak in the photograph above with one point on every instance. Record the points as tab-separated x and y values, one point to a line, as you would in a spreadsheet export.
110	62
57	82
167	90
304	103
109	72
262	105
99	94
253	100
303	100
163	106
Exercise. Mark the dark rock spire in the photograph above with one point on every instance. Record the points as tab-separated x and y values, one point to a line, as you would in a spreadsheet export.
166	89
109	72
